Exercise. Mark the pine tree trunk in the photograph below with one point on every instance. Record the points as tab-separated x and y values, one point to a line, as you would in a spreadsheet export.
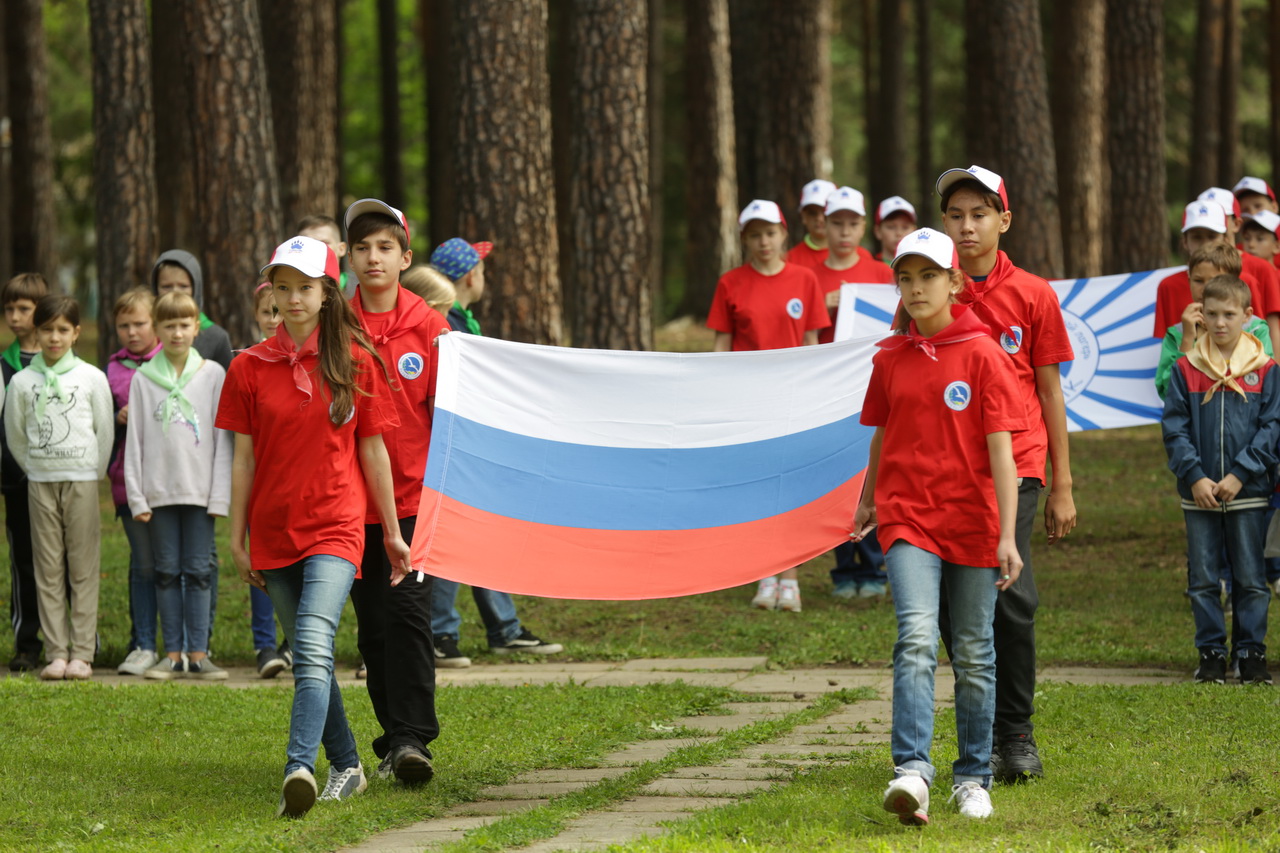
712	210
303	83
389	92
983	114
869	40
609	198
657	137
1139	235
437	16
561	67
124	181
503	178
1079	112
175	138
34	221
746	45
1206	74
6	176
890	133
236	186
1273	69
1228	170
926	171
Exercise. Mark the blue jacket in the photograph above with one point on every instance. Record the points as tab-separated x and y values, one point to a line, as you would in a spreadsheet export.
1227	435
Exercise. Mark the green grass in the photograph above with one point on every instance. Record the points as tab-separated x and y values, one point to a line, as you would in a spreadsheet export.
183	767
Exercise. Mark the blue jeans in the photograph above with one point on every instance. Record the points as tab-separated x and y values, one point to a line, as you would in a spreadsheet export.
308	597
916	577
859	562
142	582
497	611
262	619
180	537
1242	532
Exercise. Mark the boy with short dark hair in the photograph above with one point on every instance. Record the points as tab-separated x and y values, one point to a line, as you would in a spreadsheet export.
1266	275
324	228
1255	194
1221	425
895	218
19	297
813	249
1260	235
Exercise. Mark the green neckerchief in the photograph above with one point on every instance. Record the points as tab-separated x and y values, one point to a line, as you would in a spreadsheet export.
161	372
13	355
473	325
808	241
52	384
205	322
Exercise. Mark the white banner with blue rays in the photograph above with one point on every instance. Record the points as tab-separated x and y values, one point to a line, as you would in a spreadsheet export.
1111	383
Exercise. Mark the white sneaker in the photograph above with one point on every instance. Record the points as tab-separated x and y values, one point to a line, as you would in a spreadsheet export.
344	783
298	794
972	800
789	597
766	595
137	662
908	797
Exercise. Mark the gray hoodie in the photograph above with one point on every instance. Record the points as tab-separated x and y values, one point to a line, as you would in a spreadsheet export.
213	342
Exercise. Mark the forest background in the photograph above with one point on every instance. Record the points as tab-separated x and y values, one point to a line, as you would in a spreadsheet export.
606	146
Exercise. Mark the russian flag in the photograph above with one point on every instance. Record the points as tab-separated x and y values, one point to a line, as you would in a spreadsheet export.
569	473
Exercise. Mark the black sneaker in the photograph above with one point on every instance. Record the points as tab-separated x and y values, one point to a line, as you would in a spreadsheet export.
447	654
286	655
1019	759
1212	668
1253	669
997	760
527	642
23	662
410	765
270	663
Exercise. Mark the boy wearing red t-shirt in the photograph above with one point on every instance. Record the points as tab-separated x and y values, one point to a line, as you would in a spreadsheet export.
1254	194
1266	275
895	218
847	262
1024	317
395	622
812	250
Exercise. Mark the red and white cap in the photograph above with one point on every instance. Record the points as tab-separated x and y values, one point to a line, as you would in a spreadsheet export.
1205	213
374	205
1265	218
846	198
894	204
1249	184
927	243
816	192
986	177
1224	197
764	210
307	255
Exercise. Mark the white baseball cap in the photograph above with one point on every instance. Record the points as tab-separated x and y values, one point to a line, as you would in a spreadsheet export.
307	255
816	192
894	204
1249	184
1204	213
927	243
764	210
1222	196
986	177
374	205
846	198
1265	218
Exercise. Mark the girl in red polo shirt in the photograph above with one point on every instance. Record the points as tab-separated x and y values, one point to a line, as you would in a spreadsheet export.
941	485
308	407
767	303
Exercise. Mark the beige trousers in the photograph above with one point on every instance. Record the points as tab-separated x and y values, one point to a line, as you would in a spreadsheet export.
66	536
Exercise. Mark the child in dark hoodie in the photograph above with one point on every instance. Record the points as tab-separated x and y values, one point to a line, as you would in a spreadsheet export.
179	270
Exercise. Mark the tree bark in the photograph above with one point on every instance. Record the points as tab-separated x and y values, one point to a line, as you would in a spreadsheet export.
1228	170
712	211
746	44
1206	75
6	178
33	219
890	134
124	183
926	171
303	83
609	198
438	18
561	68
1079	113
982	106
503	148
235	178
175	137
657	137
1273	69
389	92
1139	235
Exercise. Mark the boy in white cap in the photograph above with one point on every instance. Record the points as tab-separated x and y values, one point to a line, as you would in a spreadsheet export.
812	250
847	261
1260	234
1255	194
895	218
1266	295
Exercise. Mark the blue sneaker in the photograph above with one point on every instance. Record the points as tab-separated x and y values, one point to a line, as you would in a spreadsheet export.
872	589
845	590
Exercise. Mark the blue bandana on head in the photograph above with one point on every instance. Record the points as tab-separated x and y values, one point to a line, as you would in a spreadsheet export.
455	258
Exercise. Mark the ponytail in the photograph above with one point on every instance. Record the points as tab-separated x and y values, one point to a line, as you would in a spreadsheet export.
339	327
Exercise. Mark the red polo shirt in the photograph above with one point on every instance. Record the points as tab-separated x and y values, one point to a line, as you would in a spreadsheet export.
767	311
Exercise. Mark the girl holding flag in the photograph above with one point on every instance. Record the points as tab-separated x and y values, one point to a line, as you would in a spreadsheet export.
944	406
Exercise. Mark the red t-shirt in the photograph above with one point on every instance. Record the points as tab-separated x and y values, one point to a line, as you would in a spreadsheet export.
767	311
934	486
1014	300
405	338
308	494
807	256
866	271
1268	279
1173	295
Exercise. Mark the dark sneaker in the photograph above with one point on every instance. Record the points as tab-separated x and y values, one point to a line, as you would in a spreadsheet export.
410	764
527	642
1019	759
298	794
23	662
270	663
384	768
1212	668
447	654
1253	669
286	655
997	761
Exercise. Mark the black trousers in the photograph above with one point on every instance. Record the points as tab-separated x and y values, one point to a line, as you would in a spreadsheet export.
1015	629
394	626
24	612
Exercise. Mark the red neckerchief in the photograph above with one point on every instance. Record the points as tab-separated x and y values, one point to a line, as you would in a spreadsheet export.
410	313
965	326
975	293
280	347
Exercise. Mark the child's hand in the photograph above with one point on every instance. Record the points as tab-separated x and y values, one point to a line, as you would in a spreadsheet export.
122	416
833	298
1192	316
1227	489
1202	491
864	521
244	567
435	342
398	554
1010	564
1059	515
142	517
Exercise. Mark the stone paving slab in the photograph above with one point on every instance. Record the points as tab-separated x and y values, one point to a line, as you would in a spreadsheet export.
420	835
724	787
728	771
671	805
766	709
741	664
647	750
495	807
716	723
585	775
525	790
633	678
598	830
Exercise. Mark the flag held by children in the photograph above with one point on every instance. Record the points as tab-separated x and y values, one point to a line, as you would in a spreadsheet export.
591	474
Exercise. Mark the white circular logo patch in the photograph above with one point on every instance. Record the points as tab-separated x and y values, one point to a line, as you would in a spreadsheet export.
1011	345
1251	378
795	309
410	365
957	396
